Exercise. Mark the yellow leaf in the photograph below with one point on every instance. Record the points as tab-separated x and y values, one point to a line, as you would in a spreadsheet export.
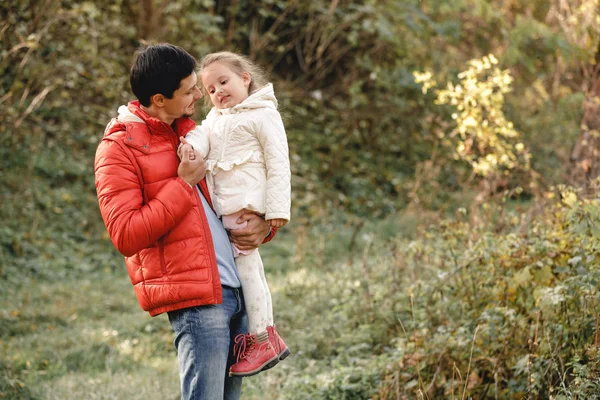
569	199
544	275
523	277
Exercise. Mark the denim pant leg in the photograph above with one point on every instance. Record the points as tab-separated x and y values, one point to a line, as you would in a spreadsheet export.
204	341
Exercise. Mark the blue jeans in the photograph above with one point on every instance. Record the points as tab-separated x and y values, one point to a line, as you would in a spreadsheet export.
204	342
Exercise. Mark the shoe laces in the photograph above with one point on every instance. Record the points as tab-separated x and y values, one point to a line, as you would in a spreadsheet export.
244	344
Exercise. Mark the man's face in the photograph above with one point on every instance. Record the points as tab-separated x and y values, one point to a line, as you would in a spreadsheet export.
184	98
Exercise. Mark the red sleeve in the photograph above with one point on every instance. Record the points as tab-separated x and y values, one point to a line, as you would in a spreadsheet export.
133	225
271	235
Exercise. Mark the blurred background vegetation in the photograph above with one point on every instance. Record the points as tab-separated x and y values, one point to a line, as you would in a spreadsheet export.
445	234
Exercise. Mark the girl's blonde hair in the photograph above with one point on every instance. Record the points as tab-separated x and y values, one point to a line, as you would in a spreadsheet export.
238	64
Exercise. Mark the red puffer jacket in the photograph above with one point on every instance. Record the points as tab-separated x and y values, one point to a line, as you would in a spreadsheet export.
154	218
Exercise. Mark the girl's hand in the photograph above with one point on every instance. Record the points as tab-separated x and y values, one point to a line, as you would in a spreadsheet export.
277	222
185	144
184	150
191	168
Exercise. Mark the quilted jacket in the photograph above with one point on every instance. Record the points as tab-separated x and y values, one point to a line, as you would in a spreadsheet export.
248	161
154	218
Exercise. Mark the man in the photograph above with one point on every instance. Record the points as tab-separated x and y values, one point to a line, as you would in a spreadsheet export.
158	214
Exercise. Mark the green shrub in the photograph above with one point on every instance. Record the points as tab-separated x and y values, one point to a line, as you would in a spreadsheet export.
510	313
489	309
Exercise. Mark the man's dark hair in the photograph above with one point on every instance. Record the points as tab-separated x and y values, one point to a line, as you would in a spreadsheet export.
159	69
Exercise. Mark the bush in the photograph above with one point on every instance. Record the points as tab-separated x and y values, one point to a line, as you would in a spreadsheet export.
491	310
502	314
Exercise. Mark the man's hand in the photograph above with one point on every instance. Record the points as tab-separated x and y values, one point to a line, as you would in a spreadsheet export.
277	222
253	234
192	168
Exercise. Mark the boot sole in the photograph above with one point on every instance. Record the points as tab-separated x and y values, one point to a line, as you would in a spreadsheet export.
268	365
284	354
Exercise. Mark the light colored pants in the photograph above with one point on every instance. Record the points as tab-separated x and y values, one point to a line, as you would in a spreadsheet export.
254	284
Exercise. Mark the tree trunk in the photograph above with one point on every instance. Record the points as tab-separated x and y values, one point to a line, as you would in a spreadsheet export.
585	162
150	20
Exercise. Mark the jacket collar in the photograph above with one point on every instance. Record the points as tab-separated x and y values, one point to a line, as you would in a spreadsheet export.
261	98
181	126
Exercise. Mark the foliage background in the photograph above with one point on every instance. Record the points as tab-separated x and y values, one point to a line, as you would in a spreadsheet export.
428	279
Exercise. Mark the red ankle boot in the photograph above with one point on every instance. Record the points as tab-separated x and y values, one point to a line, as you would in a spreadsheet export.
253	356
277	342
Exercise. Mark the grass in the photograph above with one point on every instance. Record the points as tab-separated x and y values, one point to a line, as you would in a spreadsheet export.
85	339
79	333
369	309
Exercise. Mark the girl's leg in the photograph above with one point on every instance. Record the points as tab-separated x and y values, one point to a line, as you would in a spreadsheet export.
277	342
256	298
254	285
267	294
257	353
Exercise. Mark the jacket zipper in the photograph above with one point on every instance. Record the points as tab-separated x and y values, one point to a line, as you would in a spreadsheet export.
161	243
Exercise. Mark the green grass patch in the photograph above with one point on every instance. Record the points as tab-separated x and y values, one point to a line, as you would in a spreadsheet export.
499	304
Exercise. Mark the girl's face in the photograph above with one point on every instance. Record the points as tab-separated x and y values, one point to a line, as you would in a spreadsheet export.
225	88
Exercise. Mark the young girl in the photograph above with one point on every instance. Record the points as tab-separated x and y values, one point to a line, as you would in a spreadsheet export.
247	169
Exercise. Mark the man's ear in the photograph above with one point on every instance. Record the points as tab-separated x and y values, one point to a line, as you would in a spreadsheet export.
246	78
157	100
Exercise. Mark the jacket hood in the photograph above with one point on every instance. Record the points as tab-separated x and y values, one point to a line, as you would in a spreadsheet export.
125	115
261	98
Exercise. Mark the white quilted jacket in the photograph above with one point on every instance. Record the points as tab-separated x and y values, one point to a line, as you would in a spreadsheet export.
248	162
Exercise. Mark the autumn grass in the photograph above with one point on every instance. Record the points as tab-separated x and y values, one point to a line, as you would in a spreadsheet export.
79	333
84	339
407	307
